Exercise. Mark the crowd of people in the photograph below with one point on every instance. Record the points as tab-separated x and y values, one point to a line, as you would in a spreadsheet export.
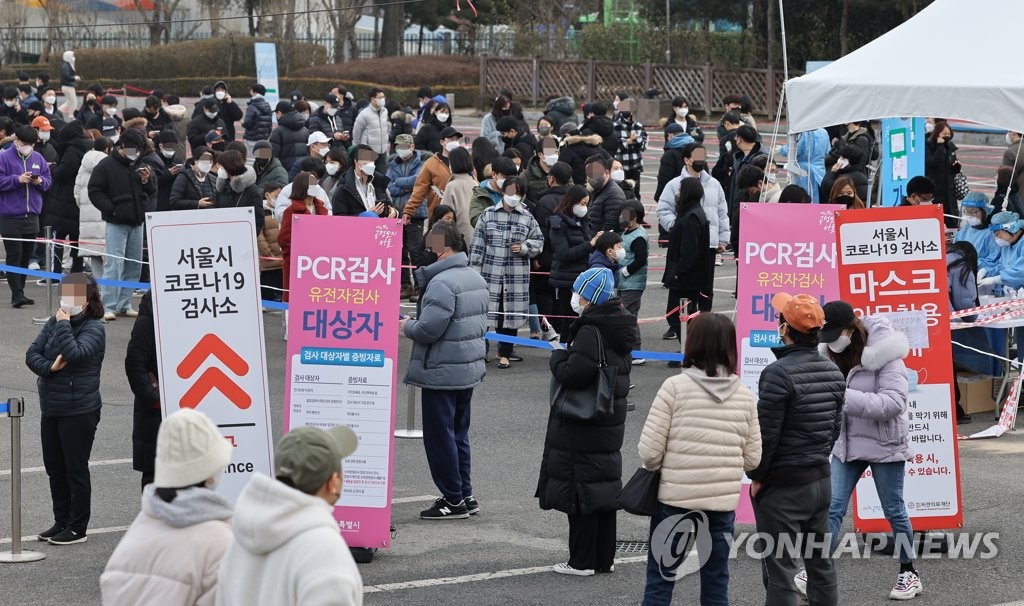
538	226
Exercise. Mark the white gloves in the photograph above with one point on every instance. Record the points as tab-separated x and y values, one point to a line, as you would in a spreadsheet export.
982	273
992	281
624	272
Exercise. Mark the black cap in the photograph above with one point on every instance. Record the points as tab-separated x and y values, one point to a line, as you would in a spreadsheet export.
284	106
506	124
839	316
296	95
108	100
332	99
220	84
450	132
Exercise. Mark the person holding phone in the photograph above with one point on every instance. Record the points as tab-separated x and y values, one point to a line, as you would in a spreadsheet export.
67	356
24	176
363	188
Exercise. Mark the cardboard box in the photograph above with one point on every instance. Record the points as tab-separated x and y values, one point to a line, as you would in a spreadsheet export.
976	393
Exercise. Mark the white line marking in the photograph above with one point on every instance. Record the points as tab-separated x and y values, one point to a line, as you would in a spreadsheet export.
475	578
32	539
101	463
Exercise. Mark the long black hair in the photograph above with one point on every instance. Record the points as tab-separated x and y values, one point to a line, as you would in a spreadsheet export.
966	262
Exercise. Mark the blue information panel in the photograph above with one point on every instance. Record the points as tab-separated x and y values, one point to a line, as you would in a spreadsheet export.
902	157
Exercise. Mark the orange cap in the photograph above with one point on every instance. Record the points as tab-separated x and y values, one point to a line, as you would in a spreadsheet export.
42	123
803	313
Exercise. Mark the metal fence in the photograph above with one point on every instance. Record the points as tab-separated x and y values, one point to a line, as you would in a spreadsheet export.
702	86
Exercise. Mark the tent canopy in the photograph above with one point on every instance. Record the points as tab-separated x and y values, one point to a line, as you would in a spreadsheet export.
954	59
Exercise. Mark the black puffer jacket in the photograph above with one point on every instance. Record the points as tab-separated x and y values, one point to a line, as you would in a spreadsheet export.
800	403
200	126
542	211
428	138
75	389
240	192
856	173
116	190
258	119
328	125
62	208
581	468
288	141
346	201
140	366
559	111
575	151
603	127
569	241
188	190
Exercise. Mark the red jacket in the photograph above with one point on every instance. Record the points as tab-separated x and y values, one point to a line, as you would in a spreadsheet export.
284	236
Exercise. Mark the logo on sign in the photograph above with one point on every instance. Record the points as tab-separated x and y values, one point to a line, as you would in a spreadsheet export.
213	377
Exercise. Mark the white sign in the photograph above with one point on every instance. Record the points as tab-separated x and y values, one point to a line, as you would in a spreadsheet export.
896	241
913	324
204	267
266	71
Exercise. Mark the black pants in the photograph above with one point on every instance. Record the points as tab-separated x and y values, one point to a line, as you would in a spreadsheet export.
270	277
18	253
67	444
542	294
791	511
697	302
58	252
634	175
592	540
413	244
504	349
563	307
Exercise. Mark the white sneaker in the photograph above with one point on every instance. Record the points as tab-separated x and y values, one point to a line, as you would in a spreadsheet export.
908	586
564	568
549	334
109	316
800	580
639	361
129	313
718	260
34	266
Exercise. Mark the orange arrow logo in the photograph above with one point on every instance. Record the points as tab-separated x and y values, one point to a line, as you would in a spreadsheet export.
213	377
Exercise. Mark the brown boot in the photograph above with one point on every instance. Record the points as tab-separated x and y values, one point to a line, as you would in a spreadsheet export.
408	291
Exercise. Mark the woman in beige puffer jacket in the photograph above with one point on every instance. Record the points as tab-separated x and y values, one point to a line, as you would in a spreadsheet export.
701	433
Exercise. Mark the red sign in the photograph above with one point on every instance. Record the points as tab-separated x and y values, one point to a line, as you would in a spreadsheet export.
213	378
893	262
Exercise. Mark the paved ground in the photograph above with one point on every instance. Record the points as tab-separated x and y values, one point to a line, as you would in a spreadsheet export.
503	555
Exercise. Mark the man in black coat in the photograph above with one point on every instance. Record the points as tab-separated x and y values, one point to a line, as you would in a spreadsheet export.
850	164
259	117
522	141
205	121
799	406
596	121
288	140
62	208
229	113
143	374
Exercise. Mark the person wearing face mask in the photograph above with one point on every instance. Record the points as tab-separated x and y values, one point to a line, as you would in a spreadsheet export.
571	242
48	99
608	253
426	101
539	167
845	194
632	141
636	243
229	111
630	188
90	105
1009	270
328	121
195	187
302	201
363	189
172	162
24	180
689	261
489	192
287	549
546	128
62	206
69	80
873	429
258	120
941	166
434	176
205	121
856	134
514	136
558	111
458	193
581	465
681	116
288	140
453	338
920	190
173	549
672	162
606	197
111	130
268	168
91	226
849	165
403	170
334	169
318	146
488	125
67	356
974	229
428	137
373	127
108	109
44	145
12	107
157	118
236	186
1012	156
506	238
123	188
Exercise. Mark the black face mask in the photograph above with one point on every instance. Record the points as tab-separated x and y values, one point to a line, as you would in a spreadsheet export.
846	201
627	117
698	166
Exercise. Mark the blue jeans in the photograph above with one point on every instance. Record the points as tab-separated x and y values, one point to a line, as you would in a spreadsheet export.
714	574
888	479
446	440
122	241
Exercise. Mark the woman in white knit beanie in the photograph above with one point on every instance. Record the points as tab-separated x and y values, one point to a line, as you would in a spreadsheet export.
172	551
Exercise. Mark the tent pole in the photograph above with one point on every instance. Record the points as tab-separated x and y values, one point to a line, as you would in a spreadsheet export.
785	52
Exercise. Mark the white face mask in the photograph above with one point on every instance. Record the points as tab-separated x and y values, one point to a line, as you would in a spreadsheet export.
579	210
512	201
9	102
49	100
132	156
380	101
323	151
333	168
620	254
25	150
211	115
305	115
222	173
204	166
451	146
73	310
220	95
682	112
842	163
442	117
576	303
368	169
499	182
615	104
111	111
550	159
331	111
618	176
405	154
839	345
167	153
44	135
1001	242
115	138
971	221
929	127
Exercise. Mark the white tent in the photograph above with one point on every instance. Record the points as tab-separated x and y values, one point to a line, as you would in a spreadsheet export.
954	59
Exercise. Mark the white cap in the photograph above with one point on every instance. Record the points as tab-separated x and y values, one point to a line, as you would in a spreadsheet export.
317	137
189	450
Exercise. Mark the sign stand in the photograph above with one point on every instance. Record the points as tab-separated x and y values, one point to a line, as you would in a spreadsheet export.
15	409
410	431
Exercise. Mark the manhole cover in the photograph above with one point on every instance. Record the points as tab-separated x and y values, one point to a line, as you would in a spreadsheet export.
631	546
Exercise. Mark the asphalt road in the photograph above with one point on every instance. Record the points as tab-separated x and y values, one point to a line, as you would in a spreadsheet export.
502	556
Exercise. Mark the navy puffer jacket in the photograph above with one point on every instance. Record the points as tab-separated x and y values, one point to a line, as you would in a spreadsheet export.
75	389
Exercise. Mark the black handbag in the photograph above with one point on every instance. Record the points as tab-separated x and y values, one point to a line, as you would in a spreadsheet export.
594	403
640	494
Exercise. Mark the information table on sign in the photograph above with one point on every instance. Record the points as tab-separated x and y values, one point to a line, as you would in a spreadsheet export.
893	262
342	343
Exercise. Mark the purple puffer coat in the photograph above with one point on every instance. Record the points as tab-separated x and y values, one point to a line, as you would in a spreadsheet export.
874	423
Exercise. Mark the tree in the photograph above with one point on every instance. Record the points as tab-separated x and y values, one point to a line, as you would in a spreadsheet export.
343	15
392	34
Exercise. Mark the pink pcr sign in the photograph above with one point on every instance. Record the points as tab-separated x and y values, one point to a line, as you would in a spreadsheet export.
342	348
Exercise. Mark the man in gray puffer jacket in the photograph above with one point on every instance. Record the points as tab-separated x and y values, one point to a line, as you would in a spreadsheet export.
447	362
